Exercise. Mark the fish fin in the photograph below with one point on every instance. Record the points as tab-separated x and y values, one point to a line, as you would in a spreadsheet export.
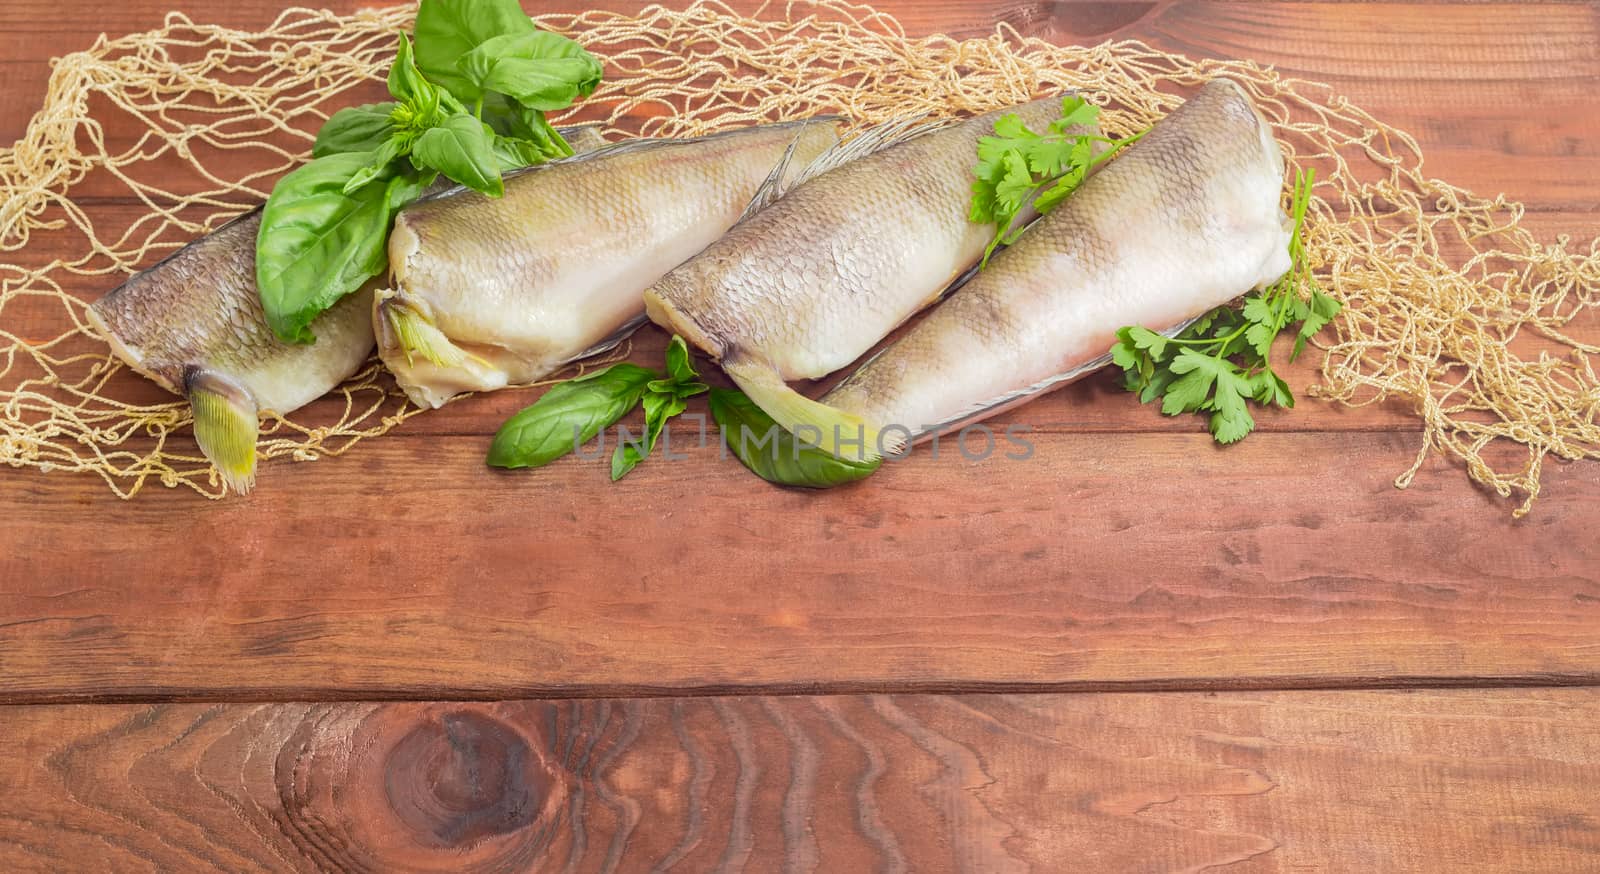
981	411
584	138
794	411
611	340
226	423
772	187
870	141
416	335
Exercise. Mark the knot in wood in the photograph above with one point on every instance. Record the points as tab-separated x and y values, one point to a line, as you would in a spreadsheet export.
462	777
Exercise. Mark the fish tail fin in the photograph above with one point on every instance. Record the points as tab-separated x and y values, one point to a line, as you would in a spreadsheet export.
416	335
843	434
226	423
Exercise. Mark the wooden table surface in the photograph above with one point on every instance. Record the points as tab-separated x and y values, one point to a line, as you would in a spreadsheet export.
1136	652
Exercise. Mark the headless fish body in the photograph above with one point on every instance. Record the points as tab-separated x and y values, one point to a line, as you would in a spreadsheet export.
494	293
1184	221
808	284
193	324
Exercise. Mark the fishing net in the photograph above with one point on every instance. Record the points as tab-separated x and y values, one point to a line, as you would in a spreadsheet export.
146	141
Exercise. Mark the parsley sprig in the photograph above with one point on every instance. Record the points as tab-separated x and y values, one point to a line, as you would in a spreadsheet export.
1219	364
1018	163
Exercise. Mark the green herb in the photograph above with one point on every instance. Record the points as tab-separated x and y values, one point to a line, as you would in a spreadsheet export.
448	29
664	398
539	70
568	415
775	454
356	129
486	54
1017	163
462	148
573	412
1220	363
317	242
489	54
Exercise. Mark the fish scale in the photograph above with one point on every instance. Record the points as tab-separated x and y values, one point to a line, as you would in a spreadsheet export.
805	286
1185	220
193	324
495	293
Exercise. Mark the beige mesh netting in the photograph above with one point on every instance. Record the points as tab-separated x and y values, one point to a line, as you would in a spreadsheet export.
146	141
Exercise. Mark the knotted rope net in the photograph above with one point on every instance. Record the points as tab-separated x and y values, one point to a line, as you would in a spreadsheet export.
146	141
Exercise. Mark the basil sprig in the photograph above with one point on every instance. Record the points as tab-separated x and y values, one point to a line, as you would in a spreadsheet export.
490	55
469	102
573	412
663	399
774	453
569	415
318	242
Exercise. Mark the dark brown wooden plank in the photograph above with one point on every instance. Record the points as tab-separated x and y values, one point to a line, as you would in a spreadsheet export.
406	568
1489	781
411	569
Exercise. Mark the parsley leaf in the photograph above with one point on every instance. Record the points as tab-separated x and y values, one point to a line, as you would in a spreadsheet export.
1018	165
1220	363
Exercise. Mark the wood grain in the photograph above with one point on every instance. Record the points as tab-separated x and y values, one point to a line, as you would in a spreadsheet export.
1156	560
1497	93
1489	781
1112	558
1129	553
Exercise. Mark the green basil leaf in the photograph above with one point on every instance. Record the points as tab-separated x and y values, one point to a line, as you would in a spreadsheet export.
513	154
355	129
378	165
463	149
509	119
774	454
407	85
555	145
679	366
684	390
631	451
448	29
658	408
627	456
540	70
568	415
318	244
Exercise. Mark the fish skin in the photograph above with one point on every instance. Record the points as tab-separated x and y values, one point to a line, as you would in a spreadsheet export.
199	308
806	286
1184	221
195	319
819	277
526	284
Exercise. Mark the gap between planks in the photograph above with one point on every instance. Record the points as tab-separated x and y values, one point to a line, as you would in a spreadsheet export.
812	690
